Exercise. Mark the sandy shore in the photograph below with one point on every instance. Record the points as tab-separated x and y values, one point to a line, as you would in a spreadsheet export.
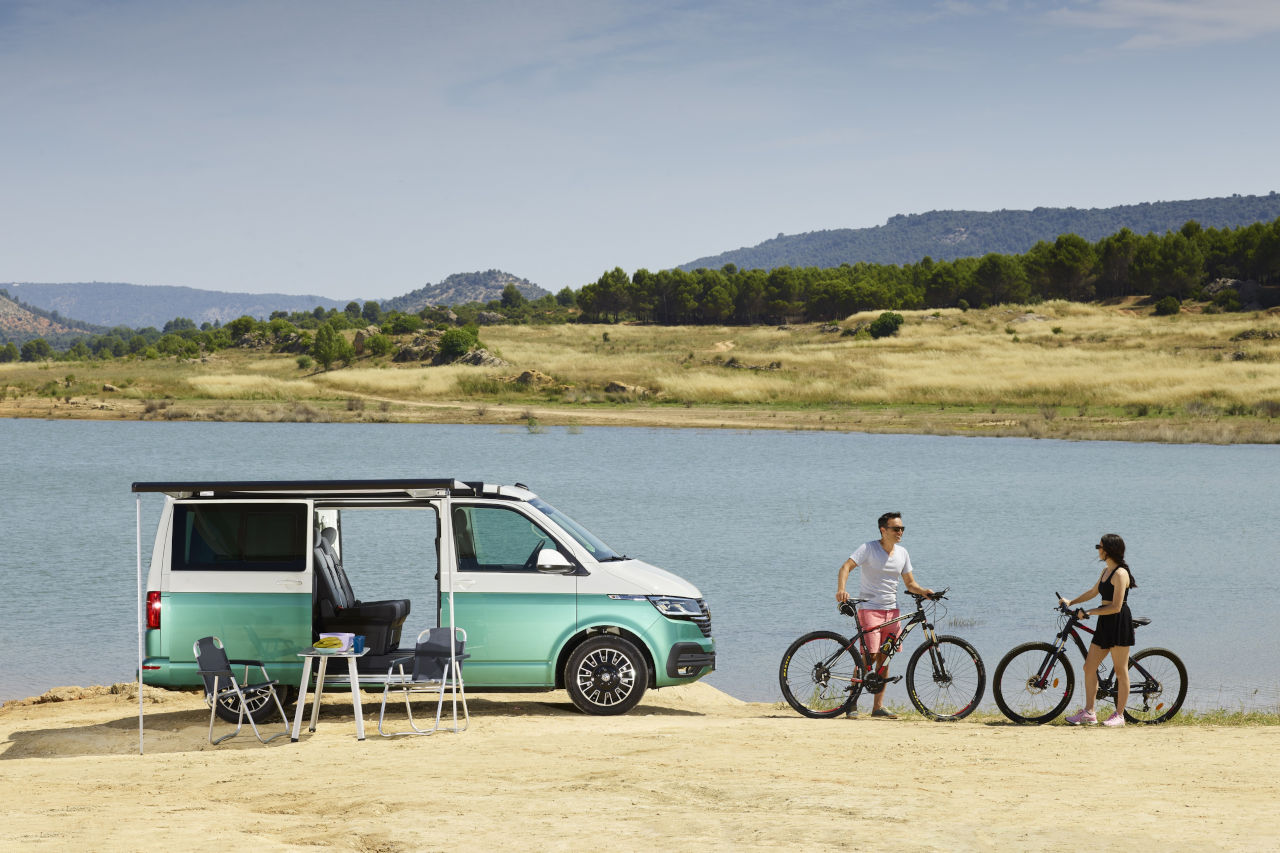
691	768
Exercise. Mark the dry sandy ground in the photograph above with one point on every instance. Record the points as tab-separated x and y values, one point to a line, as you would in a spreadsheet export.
691	768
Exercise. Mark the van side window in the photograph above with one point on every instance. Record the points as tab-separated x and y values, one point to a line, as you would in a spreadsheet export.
496	539
240	537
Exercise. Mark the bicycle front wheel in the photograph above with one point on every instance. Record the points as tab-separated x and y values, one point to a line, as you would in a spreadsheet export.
1033	684
1157	686
948	684
818	674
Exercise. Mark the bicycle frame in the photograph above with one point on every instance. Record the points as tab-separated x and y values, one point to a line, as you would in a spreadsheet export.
874	682
1107	685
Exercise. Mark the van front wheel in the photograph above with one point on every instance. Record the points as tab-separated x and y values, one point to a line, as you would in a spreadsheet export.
606	675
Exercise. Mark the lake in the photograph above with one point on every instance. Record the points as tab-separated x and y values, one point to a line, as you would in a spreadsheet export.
760	521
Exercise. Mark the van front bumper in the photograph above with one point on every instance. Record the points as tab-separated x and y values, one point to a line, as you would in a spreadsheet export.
689	660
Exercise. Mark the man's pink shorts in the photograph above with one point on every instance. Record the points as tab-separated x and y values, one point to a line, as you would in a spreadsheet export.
871	620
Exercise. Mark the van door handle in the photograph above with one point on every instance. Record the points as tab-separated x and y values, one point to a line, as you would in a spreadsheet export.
464	583
288	583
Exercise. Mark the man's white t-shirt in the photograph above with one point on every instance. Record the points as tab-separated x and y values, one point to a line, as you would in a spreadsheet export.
879	572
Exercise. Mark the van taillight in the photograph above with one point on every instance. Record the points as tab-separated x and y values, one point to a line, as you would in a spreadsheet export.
153	609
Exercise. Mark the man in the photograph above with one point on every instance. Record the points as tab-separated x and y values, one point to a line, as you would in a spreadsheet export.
880	562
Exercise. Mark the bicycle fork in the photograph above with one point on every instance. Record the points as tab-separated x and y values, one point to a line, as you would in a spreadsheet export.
1041	681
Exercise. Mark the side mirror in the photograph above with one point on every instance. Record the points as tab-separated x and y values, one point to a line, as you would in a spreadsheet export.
553	562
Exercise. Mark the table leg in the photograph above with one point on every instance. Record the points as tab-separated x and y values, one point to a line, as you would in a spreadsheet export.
355	698
315	705
302	700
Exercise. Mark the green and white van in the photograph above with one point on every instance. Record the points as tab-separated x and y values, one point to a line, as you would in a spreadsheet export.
544	603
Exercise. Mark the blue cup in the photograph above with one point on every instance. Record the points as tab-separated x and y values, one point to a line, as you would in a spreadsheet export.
357	643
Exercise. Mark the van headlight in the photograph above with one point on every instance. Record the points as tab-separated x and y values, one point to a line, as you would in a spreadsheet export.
676	608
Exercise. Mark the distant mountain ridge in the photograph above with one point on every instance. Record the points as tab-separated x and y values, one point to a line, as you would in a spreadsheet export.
461	288
950	234
139	305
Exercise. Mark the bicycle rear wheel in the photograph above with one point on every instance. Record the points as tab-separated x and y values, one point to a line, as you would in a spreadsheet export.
1032	684
818	675
1158	697
949	686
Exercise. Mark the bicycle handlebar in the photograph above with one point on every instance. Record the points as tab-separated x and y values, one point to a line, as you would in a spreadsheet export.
1078	613
850	608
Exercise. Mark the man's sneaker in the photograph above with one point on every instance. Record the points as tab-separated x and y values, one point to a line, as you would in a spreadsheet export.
1116	719
1084	717
883	714
852	713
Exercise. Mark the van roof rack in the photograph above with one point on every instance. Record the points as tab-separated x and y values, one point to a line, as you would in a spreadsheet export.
398	488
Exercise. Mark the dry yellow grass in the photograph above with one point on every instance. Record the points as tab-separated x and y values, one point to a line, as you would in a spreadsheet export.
1051	369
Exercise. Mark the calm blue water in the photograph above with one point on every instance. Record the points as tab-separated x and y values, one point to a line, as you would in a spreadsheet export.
759	521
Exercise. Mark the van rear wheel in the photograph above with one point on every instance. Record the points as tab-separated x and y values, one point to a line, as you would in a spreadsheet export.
259	707
606	675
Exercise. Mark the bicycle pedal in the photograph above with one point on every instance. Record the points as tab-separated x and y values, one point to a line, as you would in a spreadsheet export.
894	680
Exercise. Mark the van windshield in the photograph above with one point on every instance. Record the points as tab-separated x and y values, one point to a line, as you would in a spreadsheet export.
600	551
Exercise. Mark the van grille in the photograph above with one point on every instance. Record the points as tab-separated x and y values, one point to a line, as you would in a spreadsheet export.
704	621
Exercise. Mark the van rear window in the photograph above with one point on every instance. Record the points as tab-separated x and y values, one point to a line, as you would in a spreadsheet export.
240	537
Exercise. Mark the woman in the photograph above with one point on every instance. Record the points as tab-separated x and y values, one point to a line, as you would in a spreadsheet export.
1113	634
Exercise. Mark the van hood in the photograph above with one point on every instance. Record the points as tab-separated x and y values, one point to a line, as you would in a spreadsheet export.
636	577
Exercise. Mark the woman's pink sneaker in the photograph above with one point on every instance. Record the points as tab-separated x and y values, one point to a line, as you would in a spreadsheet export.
1084	717
1116	719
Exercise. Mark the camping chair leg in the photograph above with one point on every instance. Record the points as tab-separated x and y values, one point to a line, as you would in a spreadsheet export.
406	686
454	680
213	715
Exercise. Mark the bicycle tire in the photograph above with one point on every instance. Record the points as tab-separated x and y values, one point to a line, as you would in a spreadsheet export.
953	693
816	674
1158	698
1014	687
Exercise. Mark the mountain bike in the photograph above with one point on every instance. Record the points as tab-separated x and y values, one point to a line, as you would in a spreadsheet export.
823	673
1034	681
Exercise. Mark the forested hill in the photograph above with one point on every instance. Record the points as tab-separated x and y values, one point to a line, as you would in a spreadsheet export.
20	323
461	288
136	305
951	234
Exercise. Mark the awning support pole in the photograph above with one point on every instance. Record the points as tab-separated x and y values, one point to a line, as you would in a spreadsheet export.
141	618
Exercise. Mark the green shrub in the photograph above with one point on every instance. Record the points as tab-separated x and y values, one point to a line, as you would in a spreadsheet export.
885	325
1168	306
455	343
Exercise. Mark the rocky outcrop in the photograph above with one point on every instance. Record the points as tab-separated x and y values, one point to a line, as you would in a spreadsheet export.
624	388
482	358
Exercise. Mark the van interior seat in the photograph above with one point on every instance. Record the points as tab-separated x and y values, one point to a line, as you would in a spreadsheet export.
337	608
463	541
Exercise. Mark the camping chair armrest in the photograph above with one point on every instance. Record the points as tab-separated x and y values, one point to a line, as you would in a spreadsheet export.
398	662
245	662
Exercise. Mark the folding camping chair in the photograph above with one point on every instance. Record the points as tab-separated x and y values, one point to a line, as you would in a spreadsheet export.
213	666
435	668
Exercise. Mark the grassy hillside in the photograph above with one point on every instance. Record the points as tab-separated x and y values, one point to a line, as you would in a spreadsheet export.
1056	369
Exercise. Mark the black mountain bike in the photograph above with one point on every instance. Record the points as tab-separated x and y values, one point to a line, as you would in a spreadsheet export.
823	673
1034	681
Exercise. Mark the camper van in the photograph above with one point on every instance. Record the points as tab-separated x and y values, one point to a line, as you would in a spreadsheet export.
269	566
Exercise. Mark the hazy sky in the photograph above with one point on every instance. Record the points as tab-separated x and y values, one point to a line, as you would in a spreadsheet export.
364	149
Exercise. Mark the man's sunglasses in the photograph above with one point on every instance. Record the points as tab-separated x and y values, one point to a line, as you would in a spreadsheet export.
904	530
